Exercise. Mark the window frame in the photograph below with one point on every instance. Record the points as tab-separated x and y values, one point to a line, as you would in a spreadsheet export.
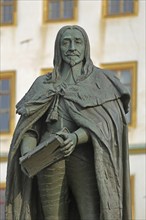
11	75
46	70
133	66
105	13
46	12
14	15
2	187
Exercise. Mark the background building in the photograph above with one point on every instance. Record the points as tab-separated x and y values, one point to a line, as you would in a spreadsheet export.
116	30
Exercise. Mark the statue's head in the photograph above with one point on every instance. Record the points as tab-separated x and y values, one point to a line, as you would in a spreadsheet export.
72	46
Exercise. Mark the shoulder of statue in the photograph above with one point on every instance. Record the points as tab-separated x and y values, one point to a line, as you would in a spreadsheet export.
37	91
119	89
45	78
101	75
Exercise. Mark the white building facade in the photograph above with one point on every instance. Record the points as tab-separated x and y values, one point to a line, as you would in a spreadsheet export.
117	39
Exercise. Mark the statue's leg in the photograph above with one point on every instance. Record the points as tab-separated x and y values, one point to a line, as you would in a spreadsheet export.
82	181
54	192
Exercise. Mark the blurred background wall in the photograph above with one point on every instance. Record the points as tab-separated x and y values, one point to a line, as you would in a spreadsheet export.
116	30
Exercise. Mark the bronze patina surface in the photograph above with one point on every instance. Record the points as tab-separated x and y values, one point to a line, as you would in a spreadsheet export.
92	181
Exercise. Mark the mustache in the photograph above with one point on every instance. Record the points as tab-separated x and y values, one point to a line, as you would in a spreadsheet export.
72	53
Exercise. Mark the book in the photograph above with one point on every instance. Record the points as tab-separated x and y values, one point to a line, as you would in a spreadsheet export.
44	155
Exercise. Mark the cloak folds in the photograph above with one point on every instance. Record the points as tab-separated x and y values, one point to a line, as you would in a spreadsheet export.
97	103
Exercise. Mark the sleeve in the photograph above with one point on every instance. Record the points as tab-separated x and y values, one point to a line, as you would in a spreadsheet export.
31	138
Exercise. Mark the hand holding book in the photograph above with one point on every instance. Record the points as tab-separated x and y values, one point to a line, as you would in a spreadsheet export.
43	155
70	141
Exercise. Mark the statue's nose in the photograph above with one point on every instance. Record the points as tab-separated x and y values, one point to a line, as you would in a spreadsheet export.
72	46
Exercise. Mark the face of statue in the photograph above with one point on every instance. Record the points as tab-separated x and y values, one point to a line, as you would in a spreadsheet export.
72	46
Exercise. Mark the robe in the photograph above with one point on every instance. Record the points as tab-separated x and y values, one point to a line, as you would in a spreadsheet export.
97	102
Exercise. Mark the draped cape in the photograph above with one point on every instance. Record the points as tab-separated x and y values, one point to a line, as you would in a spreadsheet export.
98	103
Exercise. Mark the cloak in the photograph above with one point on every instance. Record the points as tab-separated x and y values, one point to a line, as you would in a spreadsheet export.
98	103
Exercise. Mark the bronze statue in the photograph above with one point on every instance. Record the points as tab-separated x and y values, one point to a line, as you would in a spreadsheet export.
92	181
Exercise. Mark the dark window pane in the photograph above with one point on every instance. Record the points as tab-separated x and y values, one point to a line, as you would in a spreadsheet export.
7	14
68	9
113	7
54	10
4	121
1	81
2	204
5	102
7	1
128	6
4	85
125	76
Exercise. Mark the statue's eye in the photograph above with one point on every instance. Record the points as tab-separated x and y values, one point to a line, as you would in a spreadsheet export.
65	42
78	41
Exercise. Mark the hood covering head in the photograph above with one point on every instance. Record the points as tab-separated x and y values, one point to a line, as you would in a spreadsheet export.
88	65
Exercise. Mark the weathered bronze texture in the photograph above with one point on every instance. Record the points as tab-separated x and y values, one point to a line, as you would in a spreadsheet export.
92	181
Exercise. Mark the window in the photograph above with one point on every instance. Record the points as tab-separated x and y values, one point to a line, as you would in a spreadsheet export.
2	200
7	12
113	8
59	10
7	102
126	72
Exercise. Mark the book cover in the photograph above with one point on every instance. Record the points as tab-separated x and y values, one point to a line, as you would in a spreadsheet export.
43	155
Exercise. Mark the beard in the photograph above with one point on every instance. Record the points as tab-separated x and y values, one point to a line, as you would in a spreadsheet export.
72	60
72	57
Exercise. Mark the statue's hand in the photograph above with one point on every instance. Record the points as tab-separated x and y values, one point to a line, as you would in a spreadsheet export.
70	141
